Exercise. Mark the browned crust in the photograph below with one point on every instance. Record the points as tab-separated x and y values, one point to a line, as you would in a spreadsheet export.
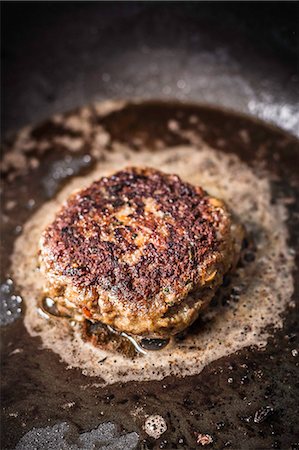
137	242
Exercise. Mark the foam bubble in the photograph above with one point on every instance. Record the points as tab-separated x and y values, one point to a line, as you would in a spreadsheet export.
10	303
155	426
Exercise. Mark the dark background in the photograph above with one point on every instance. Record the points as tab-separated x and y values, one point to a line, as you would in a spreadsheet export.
59	55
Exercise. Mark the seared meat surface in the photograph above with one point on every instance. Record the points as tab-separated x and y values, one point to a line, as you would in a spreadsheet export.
141	251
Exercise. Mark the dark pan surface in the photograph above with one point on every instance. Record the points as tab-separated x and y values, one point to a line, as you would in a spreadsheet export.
258	409
58	56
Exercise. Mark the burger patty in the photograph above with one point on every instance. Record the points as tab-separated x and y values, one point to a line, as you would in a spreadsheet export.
141	251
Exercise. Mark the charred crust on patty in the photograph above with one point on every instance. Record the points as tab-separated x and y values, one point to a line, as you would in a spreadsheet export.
141	250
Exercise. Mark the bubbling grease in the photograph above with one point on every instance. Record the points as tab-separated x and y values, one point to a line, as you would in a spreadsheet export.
264	287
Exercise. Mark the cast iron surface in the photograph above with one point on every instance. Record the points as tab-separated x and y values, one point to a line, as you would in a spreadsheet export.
245	401
57	56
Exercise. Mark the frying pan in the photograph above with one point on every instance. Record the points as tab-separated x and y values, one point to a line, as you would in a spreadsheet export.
222	58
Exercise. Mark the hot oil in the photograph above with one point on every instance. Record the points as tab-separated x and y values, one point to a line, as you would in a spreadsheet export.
233	395
258	294
101	335
110	338
49	308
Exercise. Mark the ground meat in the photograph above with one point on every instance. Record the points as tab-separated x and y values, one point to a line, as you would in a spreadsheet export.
140	250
